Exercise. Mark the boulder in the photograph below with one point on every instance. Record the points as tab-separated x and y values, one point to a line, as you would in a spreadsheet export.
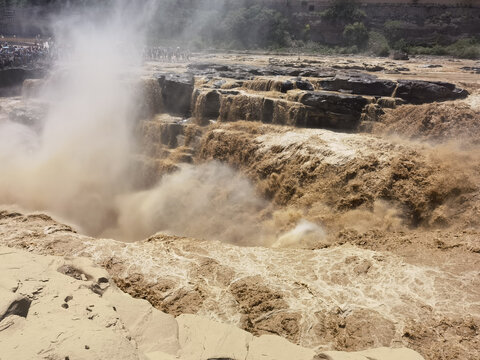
288	85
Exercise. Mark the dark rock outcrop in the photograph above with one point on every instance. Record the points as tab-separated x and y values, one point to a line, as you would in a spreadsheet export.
13	304
420	92
206	105
287	86
177	92
338	111
415	92
339	103
360	84
473	69
303	85
314	109
248	72
11	79
16	76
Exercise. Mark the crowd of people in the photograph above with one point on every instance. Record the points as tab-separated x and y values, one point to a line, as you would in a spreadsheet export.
166	54
18	55
45	52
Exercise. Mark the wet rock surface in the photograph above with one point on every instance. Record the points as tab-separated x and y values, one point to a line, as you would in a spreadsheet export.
359	84
176	90
337	111
334	80
419	92
292	94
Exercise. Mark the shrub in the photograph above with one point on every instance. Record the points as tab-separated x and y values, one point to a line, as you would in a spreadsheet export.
401	45
306	32
349	50
467	48
356	34
384	52
378	44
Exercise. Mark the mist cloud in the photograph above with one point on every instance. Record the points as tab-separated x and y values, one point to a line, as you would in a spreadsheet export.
79	166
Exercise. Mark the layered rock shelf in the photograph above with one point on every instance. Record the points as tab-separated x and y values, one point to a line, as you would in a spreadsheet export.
285	95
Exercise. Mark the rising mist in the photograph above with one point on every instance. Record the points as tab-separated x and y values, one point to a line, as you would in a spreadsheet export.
78	167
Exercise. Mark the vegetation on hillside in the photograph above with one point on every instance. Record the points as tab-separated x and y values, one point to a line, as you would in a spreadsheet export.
467	48
242	26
